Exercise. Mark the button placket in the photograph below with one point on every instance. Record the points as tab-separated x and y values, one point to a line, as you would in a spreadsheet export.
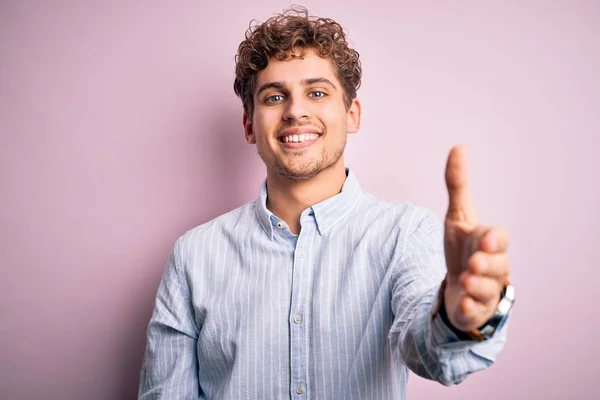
298	326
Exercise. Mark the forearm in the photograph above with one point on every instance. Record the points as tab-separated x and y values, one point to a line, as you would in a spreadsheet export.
430	348
170	367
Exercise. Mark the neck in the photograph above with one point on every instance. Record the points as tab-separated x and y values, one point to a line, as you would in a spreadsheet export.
287	199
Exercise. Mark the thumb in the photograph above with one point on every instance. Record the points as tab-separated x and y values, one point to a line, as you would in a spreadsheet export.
460	207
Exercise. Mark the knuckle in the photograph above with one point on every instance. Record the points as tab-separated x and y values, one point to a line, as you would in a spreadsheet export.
464	279
477	262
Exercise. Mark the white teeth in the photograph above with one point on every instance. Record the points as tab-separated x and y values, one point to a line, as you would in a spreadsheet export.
300	138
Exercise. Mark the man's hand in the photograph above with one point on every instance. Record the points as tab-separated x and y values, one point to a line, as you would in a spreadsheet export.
476	255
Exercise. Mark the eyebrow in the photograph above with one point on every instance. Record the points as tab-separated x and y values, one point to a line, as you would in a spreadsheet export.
305	82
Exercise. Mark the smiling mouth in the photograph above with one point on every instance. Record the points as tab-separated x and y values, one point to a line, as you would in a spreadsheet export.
304	137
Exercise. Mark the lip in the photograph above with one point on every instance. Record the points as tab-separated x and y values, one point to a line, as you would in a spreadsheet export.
298	131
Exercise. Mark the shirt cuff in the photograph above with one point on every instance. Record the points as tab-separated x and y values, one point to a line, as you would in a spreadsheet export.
442	334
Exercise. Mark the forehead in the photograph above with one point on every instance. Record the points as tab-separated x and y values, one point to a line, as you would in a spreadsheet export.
294	70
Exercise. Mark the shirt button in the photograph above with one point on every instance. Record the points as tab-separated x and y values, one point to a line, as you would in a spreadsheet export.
298	319
301	253
280	225
299	390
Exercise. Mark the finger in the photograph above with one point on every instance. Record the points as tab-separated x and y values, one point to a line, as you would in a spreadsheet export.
495	240
470	312
489	265
487	238
482	289
457	183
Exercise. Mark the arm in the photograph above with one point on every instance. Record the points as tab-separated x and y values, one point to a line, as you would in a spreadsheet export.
170	367
428	346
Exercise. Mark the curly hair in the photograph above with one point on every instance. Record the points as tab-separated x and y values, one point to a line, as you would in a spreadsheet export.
282	34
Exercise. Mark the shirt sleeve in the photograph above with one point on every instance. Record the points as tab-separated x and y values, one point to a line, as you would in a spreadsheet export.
170	367
428	346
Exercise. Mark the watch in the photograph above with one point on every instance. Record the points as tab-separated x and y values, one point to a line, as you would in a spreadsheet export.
486	331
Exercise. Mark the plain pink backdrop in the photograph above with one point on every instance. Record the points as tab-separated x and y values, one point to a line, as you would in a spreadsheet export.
119	130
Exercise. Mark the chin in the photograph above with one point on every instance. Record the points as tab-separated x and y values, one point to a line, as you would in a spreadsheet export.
302	173
297	175
302	168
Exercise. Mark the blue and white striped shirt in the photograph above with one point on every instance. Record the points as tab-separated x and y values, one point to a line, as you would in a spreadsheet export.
248	310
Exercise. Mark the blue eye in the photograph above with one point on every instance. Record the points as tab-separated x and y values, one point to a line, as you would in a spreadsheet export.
317	94
274	99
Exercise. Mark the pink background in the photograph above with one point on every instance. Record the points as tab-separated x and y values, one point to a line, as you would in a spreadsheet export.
119	130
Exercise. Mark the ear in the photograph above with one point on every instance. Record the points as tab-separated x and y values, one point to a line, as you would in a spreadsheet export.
353	116
250	138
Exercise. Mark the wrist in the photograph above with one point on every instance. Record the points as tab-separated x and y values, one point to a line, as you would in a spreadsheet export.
443	313
486	330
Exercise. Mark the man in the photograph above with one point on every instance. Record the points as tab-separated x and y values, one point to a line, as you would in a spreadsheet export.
318	289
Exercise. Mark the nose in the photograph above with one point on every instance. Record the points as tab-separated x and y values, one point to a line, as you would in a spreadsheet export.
296	109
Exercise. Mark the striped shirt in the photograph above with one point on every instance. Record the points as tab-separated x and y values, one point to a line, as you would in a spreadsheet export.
247	310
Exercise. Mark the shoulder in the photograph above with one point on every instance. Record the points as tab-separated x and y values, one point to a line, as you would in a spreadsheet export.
404	232
208	233
404	217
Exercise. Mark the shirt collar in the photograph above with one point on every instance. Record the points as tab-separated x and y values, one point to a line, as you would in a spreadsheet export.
326	213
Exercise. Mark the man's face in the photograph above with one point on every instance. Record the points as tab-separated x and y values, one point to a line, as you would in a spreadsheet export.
300	121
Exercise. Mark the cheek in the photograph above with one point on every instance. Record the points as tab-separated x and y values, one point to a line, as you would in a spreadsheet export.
265	122
335	124
333	114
